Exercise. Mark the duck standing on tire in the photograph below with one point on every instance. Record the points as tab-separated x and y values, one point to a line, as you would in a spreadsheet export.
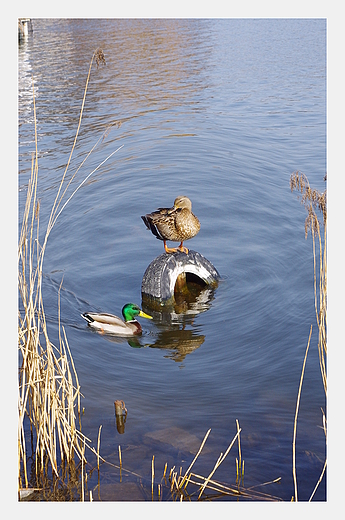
176	224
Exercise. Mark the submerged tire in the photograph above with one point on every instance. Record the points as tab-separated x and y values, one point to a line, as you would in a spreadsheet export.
160	276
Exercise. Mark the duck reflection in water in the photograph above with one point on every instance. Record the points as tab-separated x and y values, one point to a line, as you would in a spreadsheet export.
178	343
175	331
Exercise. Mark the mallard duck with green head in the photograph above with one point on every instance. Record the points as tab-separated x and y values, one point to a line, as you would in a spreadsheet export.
110	324
176	224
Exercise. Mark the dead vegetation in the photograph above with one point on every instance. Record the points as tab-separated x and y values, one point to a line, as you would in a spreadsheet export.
48	386
314	201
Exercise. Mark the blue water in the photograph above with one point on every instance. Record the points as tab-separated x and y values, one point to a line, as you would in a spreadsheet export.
222	111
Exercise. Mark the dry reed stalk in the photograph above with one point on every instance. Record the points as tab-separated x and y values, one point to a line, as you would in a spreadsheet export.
239	461
93	450
213	485
319	481
237	491
239	442
196	456
48	388
98	446
82	476
178	484
296	415
219	461
120	456
314	200
99	56
152	474
324	420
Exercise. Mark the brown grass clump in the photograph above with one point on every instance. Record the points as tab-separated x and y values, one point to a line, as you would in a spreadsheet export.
49	390
48	382
314	201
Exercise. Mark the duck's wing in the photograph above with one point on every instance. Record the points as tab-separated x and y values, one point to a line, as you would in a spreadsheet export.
110	324
165	211
162	222
103	318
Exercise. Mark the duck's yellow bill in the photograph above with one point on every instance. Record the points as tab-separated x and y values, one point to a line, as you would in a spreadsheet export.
144	315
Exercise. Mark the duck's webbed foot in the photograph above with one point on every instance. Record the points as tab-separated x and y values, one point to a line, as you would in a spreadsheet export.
169	249
182	248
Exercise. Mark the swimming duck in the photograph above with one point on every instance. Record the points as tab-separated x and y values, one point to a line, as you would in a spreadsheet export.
111	324
177	223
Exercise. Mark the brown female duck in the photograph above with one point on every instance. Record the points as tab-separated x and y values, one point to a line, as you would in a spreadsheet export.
177	223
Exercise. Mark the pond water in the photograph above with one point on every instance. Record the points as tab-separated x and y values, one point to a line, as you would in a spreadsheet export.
223	111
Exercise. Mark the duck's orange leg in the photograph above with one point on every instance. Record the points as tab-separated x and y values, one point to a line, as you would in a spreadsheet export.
169	249
182	248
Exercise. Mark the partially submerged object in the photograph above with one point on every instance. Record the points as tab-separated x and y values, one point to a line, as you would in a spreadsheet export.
121	415
168	275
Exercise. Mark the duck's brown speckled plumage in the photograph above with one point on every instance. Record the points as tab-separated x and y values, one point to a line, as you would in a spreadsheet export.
177	223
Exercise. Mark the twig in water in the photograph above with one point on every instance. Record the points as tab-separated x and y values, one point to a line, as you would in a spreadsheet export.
120	457
98	445
218	463
325	463
318	482
152	473
222	489
196	456
82	474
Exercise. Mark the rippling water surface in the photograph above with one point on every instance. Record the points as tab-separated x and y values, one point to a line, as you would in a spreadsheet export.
222	111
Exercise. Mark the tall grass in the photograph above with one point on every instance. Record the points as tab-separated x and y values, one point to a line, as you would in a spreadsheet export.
315	203
48	389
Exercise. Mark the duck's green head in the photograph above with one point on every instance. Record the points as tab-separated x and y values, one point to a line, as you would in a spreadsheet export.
130	311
